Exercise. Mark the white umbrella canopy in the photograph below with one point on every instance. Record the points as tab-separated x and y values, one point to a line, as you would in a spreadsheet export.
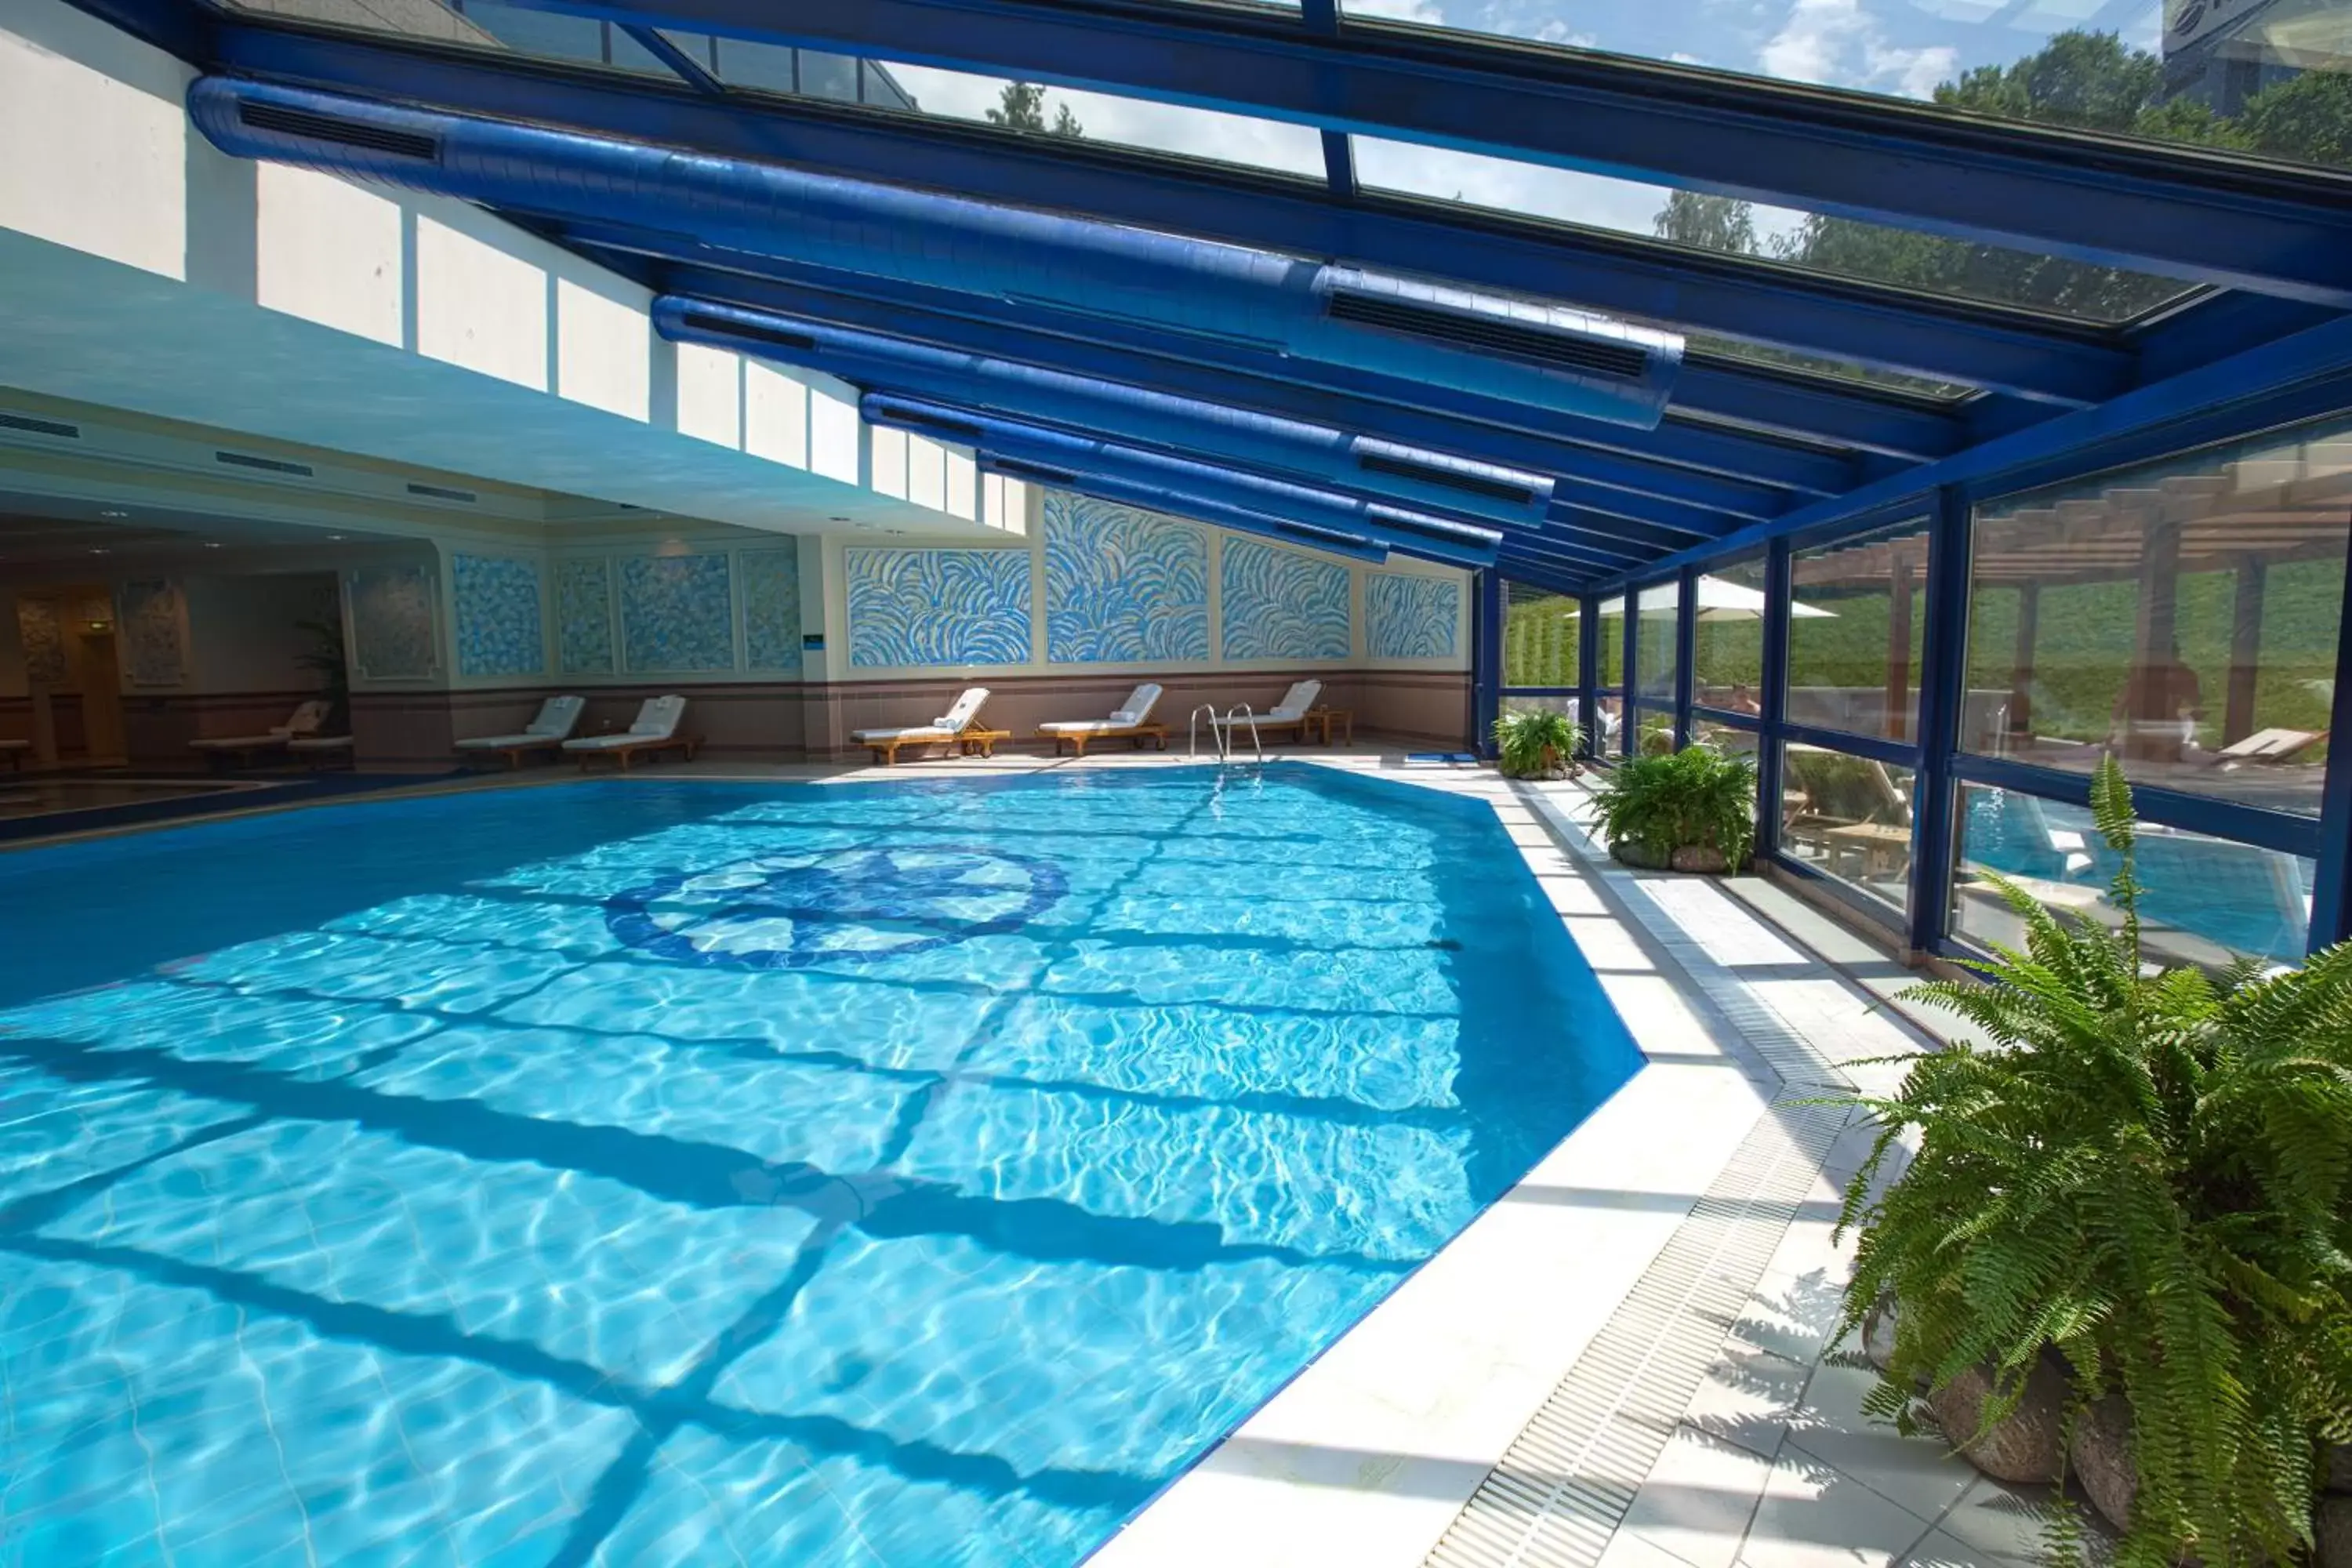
1721	599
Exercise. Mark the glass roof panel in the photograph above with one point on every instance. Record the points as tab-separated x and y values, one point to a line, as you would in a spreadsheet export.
1122	121
1840	246
2259	76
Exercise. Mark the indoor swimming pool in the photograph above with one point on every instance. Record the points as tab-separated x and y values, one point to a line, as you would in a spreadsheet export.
646	1174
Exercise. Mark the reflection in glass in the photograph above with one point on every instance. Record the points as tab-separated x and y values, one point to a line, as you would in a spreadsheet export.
1609	627
1540	641
1842	247
1856	632
1728	739
1848	817
1657	644
2205	900
2260	77
2183	617
1727	663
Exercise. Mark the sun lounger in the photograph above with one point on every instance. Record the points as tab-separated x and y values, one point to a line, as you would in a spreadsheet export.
654	731
1289	714
1130	721
558	716
322	750
304	722
960	726
2268	747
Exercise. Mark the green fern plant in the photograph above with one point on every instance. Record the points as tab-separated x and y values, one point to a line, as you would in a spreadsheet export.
1531	740
2152	1173
1696	797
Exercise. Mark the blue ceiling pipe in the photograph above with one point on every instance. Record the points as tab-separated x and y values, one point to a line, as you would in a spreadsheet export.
1245	435
1434	538
1200	508
1538	353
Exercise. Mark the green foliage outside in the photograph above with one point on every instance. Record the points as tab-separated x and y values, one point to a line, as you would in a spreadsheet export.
2151	1175
2083	647
1021	107
2089	81
1540	642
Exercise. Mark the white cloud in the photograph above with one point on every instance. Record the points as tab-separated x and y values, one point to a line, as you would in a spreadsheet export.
1837	43
1396	10
1528	189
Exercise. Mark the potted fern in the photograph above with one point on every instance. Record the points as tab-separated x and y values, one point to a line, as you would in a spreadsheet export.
2139	1203
1691	810
1536	744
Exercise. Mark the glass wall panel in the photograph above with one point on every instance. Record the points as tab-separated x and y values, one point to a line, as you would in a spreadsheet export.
1730	739
2206	901
1857	625
1610	630
1541	645
2183	617
1659	607
1848	817
1728	660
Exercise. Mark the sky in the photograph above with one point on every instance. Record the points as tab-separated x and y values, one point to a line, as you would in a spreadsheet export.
1892	46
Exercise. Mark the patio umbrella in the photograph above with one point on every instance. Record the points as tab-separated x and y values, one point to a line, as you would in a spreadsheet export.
1721	599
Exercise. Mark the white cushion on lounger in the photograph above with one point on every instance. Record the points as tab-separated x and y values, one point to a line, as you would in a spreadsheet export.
657	720
1135	710
946	727
1297	700
556	716
305	720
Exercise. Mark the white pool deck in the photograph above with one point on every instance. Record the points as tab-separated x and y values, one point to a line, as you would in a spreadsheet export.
1626	1361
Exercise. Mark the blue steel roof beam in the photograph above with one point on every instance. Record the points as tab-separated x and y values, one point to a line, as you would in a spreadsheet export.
2006	350
1408	412
1669	523
1805	407
1295	398
1576	557
2182	211
1536	574
1629	535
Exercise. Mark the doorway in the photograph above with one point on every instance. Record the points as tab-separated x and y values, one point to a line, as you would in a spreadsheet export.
102	700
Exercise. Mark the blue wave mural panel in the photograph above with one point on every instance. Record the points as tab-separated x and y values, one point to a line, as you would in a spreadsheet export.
913	607
392	623
1411	616
1281	603
583	616
677	614
497	615
1123	587
772	608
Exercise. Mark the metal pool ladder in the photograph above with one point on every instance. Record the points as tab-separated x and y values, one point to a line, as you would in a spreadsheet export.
1219	731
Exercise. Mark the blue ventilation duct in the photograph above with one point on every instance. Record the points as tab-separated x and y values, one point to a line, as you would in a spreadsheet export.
1546	355
1241	435
1157	474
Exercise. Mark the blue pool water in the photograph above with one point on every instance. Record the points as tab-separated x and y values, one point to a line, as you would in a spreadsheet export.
635	1174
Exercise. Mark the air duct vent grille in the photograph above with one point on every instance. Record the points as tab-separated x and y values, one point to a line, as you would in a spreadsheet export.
750	332
1490	336
267	464
1446	479
443	492
315	127
961	431
1033	473
26	422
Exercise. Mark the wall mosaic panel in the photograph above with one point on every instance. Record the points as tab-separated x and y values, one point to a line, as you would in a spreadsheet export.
44	640
1122	586
583	616
937	606
154	623
392	623
1409	616
497	615
1279	603
772	608
677	614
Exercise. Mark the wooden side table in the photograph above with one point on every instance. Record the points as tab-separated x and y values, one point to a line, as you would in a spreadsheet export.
1322	718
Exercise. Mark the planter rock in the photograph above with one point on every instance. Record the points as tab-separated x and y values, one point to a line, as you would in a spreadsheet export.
1700	857
1625	852
2104	1461
1878	1333
2331	1528
2027	1447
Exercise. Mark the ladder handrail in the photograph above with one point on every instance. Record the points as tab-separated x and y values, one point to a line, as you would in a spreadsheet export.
1246	712
1192	732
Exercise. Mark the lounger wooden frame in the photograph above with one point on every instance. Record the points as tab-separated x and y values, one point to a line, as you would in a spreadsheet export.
971	740
651	745
1078	740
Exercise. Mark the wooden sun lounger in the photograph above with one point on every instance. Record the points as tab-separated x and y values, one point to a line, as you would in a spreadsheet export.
651	746
971	740
1078	740
515	753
